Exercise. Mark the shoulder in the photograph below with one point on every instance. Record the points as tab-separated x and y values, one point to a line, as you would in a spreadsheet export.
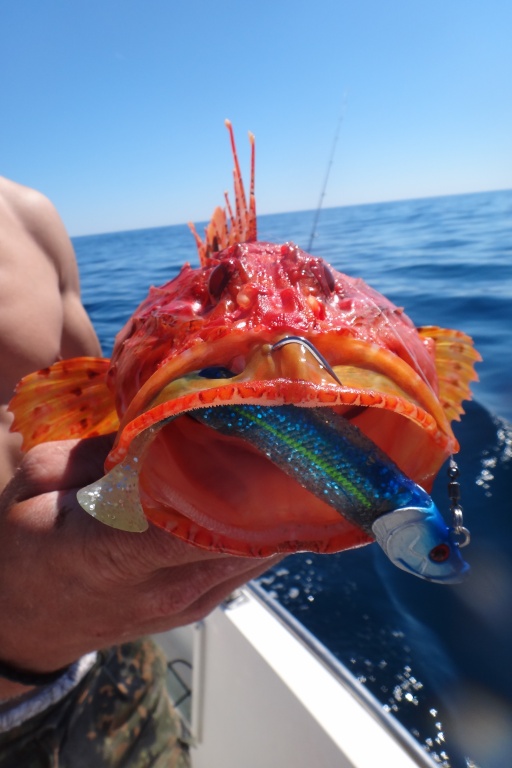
39	284
34	214
28	206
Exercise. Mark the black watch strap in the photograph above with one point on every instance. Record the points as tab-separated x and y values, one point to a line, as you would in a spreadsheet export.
25	677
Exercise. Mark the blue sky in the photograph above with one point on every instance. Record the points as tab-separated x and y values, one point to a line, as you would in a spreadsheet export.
115	108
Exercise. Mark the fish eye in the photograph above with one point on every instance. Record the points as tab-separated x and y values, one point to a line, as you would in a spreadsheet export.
328	280
216	372
324	277
440	553
218	280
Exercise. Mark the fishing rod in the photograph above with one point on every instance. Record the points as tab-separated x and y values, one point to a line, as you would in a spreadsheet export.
327	174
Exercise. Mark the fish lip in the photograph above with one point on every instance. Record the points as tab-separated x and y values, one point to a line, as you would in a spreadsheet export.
256	392
259	364
260	355
278	391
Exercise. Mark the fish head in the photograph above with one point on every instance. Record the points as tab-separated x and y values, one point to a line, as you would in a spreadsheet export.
214	335
417	540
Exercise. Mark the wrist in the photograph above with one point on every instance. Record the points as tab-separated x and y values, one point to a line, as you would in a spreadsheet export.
29	678
9	690
22	704
16	682
26	668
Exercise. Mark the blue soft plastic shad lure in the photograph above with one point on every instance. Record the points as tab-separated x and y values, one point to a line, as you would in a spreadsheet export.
334	460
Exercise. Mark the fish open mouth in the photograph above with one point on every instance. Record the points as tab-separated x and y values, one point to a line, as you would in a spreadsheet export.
219	492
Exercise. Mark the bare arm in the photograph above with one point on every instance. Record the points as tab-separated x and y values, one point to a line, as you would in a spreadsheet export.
36	218
41	315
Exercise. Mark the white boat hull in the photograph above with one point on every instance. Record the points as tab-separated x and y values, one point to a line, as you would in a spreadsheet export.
266	694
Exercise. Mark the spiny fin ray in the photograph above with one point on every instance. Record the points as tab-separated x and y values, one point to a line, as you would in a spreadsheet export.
227	229
455	358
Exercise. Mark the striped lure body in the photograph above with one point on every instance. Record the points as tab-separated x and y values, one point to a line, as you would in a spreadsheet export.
335	461
323	452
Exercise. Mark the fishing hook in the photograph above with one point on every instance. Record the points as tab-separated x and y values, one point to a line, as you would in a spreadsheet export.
311	347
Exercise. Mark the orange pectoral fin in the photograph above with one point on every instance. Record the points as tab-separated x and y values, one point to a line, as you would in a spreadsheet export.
68	400
455	358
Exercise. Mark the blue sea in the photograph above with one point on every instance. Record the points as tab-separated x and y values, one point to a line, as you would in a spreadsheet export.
437	657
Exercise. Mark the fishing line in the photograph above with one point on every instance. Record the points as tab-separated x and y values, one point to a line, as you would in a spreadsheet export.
327	173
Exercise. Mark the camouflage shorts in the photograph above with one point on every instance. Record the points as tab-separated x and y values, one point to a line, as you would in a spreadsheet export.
119	716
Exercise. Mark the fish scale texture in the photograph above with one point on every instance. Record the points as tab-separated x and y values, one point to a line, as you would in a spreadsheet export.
119	716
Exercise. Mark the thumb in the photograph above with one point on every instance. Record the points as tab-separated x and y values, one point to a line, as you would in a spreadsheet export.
58	466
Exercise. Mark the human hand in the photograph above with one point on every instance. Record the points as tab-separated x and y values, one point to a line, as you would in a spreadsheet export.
70	584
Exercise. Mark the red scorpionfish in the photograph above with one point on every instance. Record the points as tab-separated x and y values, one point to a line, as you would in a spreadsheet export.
361	356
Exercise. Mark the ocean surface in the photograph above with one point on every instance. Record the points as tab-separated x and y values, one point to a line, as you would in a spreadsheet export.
437	657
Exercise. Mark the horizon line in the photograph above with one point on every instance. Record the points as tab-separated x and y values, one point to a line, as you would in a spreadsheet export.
298	210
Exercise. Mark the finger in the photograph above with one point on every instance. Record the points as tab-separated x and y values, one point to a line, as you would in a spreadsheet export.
178	591
206	602
86	461
216	594
159	549
149	553
58	466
